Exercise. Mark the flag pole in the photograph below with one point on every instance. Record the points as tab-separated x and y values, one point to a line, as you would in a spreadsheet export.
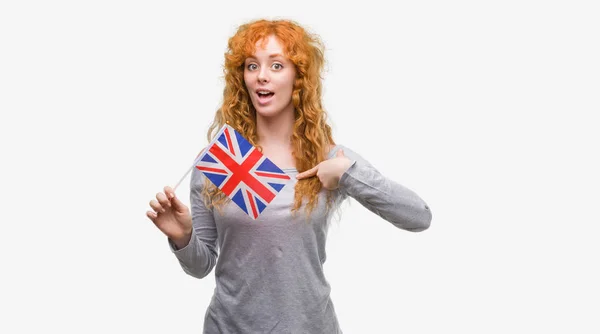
188	171
192	167
183	177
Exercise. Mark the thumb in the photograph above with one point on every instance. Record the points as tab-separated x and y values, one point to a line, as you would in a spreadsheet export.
339	153
177	204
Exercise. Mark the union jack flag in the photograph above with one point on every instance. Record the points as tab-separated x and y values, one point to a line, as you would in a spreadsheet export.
241	171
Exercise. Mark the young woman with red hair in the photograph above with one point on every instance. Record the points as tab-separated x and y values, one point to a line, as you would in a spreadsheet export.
269	271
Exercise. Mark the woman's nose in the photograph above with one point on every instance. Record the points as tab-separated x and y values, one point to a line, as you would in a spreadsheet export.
263	75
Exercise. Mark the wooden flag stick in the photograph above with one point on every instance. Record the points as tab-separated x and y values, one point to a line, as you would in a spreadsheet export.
189	170
183	177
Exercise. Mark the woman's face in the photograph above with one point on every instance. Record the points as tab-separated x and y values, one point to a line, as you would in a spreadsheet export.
269	71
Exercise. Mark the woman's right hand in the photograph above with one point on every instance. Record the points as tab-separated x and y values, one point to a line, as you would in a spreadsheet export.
172	217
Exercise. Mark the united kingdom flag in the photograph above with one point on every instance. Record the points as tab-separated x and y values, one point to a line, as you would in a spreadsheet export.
241	171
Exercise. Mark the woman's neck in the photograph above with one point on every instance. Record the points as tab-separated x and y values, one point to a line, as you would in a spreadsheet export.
275	131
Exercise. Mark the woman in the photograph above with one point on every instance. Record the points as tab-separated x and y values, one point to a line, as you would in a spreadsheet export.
269	273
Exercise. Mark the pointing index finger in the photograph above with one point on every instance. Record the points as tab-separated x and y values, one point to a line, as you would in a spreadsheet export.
308	173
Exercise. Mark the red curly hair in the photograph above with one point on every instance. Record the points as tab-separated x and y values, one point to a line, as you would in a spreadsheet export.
311	137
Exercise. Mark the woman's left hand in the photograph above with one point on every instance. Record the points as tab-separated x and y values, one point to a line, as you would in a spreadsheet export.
329	171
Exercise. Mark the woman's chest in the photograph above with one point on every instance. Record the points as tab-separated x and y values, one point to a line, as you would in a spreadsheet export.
277	214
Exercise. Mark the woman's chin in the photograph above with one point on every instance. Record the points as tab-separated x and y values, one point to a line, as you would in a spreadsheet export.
267	111
273	110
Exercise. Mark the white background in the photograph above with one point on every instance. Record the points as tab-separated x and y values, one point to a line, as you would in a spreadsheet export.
483	108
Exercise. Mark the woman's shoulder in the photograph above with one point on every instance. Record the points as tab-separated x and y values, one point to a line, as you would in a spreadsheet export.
348	152
333	148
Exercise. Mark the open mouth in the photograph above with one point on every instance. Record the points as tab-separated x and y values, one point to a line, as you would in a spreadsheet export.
264	96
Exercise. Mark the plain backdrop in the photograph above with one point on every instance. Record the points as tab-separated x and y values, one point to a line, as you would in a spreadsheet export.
484	108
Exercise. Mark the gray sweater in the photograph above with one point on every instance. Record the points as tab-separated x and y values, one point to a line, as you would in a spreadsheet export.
269	271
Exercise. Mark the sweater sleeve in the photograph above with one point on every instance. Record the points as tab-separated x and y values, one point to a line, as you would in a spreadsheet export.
391	201
199	256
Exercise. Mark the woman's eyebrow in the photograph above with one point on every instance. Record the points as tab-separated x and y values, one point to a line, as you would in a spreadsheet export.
270	56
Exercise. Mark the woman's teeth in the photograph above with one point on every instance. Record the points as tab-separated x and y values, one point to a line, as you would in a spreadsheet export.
265	97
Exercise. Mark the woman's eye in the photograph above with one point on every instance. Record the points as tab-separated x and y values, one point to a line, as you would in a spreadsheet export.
276	66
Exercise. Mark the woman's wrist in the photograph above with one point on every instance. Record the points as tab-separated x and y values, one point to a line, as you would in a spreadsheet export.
183	241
